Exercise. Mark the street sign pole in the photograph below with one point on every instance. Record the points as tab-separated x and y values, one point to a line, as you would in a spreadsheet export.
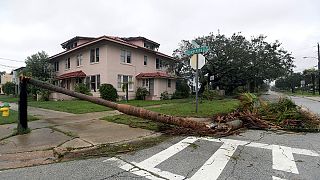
197	84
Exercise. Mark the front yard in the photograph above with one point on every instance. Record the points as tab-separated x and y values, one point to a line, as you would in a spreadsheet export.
13	118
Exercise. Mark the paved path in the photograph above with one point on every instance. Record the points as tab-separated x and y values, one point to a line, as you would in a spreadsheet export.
56	132
251	155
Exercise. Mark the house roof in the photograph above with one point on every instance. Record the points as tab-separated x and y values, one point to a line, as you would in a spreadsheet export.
162	75
76	38
72	75
140	38
114	40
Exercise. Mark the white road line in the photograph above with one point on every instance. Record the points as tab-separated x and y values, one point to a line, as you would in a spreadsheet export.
158	158
216	163
130	168
305	152
283	160
277	178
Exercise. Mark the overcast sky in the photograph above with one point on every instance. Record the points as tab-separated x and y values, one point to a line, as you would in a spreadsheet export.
29	26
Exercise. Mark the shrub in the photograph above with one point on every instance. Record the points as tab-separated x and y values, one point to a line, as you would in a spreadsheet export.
9	88
108	92
182	90
44	95
82	88
142	93
211	95
165	95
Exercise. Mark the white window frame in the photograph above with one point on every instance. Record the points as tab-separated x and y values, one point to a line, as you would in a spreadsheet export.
120	81
94	55
145	83
79	60
56	66
67	64
97	82
124	54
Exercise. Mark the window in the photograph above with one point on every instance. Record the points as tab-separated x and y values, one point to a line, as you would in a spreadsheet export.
79	60
169	82
94	55
145	83
125	56
158	63
145	60
125	79
97	54
67	65
93	82
56	66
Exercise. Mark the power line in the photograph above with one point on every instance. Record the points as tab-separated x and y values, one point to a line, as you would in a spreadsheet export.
11	60
8	66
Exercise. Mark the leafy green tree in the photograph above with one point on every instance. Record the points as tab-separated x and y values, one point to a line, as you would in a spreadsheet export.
38	67
235	61
9	88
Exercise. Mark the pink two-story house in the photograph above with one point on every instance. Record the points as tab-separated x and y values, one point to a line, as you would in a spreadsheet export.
115	61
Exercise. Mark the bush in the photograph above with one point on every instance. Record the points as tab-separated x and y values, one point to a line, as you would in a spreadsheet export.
108	92
44	95
141	93
211	95
8	88
165	95
182	90
83	89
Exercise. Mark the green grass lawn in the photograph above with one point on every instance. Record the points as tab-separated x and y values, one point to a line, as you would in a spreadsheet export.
13	118
80	107
206	108
301	93
10	99
72	106
186	108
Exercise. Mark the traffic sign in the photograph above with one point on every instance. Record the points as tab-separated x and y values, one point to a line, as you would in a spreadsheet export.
201	61
197	50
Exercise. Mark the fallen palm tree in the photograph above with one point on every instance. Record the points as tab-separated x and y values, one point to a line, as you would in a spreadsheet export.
124	108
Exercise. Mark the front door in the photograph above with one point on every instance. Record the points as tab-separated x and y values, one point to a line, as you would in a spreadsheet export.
151	87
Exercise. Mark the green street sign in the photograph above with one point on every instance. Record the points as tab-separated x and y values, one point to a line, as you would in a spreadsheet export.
197	50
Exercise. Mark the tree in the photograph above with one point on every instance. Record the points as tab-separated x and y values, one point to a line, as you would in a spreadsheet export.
235	61
9	88
39	67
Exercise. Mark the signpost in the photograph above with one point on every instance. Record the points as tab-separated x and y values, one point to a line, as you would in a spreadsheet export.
196	52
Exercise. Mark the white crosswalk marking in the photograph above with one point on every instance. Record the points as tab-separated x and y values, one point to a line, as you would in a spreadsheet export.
213	167
282	157
283	160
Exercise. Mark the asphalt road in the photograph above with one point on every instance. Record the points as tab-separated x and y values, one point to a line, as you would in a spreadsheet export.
250	155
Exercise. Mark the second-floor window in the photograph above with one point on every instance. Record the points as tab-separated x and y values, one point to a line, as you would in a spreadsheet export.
145	60
56	66
79	60
94	55
125	56
67	64
159	63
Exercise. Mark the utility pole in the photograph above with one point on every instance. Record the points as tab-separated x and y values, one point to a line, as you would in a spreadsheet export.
319	68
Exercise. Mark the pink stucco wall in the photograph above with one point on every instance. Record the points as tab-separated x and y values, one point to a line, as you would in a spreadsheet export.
110	66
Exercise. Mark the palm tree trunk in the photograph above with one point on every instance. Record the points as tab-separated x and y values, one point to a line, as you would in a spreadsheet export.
124	108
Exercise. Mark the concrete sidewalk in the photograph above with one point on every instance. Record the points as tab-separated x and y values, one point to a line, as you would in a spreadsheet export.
57	133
